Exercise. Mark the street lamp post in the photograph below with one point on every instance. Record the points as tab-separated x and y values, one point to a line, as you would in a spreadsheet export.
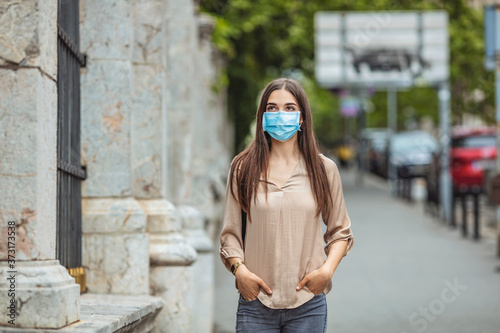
444	124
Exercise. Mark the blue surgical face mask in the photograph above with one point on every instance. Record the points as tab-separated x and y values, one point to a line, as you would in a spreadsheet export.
281	125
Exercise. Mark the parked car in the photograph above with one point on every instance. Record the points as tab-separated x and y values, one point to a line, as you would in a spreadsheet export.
378	146
371	146
473	151
433	182
410	153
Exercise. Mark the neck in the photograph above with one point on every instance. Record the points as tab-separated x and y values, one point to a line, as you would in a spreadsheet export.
287	150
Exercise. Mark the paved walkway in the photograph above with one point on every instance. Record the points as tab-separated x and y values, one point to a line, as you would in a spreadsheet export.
406	273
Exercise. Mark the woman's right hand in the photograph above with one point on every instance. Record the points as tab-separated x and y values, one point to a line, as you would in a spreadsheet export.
249	284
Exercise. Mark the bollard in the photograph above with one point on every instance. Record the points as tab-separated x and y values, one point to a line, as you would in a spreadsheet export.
405	188
494	191
409	190
464	214
476	215
453	220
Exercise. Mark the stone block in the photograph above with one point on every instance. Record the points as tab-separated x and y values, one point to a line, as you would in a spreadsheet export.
162	216
116	264
105	137
203	268
105	36
115	246
29	34
109	313
170	250
203	284
148	135
180	154
46	296
174	285
171	275
147	18
112	216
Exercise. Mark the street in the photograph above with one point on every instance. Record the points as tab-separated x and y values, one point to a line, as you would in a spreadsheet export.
407	272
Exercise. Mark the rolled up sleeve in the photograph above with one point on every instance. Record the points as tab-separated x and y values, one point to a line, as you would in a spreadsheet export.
231	243
338	223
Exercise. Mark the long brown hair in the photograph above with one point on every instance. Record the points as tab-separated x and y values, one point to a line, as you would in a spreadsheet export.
254	160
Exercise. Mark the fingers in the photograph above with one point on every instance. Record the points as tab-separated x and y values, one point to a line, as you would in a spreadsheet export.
264	286
249	297
303	282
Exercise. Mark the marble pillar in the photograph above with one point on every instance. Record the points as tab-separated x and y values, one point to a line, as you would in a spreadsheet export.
171	271
180	41
212	143
115	244
203	284
37	289
155	152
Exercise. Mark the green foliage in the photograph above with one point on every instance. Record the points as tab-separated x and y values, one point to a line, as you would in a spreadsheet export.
265	39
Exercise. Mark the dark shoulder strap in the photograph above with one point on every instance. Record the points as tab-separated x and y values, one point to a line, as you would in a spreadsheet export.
243	226
243	221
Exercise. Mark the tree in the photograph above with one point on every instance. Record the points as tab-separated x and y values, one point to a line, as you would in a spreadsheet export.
264	39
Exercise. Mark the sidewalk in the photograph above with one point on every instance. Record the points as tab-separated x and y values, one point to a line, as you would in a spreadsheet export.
405	273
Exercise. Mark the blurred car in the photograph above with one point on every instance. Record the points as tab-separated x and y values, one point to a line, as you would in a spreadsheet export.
410	154
472	152
433	183
378	146
371	148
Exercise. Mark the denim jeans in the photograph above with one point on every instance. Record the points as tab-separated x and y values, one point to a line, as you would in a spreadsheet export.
253	316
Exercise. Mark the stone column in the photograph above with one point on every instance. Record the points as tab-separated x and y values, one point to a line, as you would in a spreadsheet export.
42	293
193	224
211	147
115	242
171	271
155	152
181	57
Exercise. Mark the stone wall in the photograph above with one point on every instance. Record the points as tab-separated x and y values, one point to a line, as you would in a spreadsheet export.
156	144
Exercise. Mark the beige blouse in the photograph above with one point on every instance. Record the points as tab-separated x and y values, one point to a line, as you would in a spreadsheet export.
284	240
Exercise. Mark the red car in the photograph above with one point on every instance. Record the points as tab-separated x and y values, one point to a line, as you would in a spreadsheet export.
473	150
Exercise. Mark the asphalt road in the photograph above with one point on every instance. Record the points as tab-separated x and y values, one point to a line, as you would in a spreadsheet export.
406	272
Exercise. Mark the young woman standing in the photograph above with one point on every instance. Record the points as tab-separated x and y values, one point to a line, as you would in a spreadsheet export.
286	187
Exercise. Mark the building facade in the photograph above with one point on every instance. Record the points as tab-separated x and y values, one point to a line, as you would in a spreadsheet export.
154	149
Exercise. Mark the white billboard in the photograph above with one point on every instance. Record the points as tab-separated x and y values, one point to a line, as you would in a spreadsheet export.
381	49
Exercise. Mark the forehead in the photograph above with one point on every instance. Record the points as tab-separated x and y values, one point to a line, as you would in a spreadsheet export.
281	96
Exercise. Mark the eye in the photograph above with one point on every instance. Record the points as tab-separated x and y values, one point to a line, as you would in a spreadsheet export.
271	108
290	108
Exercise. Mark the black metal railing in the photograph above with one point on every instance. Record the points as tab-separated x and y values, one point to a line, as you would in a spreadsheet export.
69	170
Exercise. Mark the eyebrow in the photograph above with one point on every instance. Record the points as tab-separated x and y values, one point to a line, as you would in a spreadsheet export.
285	104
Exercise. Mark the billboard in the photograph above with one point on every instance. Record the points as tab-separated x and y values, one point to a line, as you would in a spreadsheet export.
381	49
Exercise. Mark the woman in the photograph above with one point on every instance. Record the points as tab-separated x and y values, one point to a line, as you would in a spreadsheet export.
283	184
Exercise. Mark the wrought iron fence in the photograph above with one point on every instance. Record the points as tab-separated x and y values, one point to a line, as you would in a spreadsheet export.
70	173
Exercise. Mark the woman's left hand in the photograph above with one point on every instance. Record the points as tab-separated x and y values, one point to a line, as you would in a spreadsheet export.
316	281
